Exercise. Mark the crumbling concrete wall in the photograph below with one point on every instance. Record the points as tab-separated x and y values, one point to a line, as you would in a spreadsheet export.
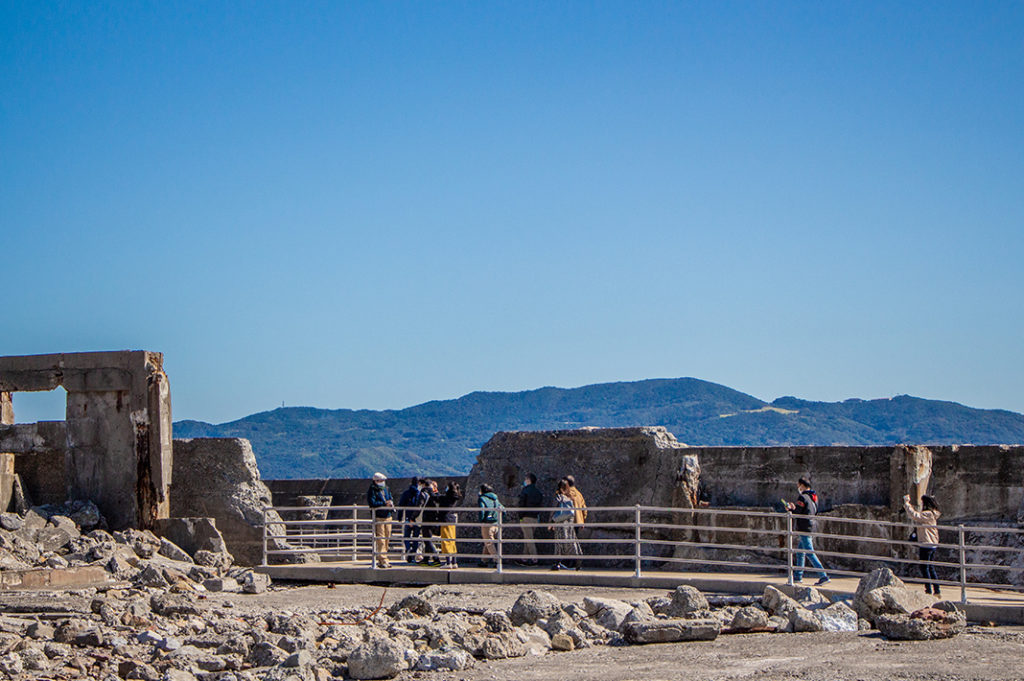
40	451
118	427
218	478
612	466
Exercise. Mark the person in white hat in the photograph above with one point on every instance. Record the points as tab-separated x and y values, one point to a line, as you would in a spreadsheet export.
378	497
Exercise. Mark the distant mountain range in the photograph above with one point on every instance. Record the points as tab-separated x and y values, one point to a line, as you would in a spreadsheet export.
444	437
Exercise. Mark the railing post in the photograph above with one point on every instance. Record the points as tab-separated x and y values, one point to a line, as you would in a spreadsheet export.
636	541
264	536
355	534
497	558
789	549
373	539
963	563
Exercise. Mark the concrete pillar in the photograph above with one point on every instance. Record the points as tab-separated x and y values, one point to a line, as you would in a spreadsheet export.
6	408
6	479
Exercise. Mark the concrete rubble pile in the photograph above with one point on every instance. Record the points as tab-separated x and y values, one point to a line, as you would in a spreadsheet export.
158	623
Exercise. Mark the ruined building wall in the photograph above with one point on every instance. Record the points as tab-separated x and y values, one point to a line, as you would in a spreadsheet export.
117	437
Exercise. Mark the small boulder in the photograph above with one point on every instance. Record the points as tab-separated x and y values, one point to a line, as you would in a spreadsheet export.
922	625
532	606
750	617
777	603
837	617
804	620
562	642
610	613
169	549
378	658
687	601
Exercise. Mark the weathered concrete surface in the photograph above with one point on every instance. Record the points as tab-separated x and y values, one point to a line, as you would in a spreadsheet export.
41	451
6	479
118	427
56	579
218	478
644	465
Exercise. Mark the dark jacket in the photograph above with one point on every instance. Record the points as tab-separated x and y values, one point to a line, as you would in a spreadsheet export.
530	497
413	497
805	508
433	514
448	502
377	498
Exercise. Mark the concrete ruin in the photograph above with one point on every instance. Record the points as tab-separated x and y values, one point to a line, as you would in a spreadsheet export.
647	466
114	448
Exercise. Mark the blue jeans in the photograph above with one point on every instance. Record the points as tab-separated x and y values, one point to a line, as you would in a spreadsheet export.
805	547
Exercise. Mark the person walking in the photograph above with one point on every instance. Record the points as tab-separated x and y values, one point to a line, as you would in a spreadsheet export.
927	531
451	498
563	526
432	515
805	508
410	511
530	498
490	507
382	508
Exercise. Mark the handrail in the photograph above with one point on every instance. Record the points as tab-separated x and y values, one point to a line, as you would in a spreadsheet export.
646	537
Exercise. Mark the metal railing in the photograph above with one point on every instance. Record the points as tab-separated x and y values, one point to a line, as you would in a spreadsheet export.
657	539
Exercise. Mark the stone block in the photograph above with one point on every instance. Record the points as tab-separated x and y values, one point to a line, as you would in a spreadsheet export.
671	631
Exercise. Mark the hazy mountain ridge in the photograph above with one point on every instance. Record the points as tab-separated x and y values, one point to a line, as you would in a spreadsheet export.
442	437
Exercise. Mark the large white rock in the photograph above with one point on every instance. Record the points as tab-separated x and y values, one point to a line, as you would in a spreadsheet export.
378	658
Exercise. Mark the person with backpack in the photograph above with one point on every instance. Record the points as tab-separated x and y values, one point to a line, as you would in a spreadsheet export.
805	508
926	521
563	525
382	508
490	507
409	504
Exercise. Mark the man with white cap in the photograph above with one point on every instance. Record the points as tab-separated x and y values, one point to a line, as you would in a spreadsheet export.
378	497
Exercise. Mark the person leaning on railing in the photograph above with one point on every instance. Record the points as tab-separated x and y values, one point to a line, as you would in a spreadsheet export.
927	531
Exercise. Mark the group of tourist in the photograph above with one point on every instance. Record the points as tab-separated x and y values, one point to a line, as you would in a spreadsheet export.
426	513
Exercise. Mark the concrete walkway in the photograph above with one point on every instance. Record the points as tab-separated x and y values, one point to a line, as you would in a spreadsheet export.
983	605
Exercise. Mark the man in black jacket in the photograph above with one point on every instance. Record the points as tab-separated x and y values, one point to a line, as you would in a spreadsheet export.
530	498
411	502
805	508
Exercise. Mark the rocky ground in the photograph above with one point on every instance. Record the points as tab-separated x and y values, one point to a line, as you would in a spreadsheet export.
169	615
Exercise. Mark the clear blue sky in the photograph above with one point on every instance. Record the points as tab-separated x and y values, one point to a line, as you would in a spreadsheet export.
371	205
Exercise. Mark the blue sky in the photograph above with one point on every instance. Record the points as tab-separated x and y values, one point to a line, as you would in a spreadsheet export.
371	205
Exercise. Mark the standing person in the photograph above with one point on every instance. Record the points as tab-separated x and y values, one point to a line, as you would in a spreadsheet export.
926	520
450	499
563	526
805	508
530	498
409	504
431	523
578	502
490	507
378	498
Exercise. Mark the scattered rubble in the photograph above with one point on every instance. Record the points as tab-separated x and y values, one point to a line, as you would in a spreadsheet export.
154	620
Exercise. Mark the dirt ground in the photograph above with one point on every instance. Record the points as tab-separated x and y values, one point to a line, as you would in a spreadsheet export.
982	653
